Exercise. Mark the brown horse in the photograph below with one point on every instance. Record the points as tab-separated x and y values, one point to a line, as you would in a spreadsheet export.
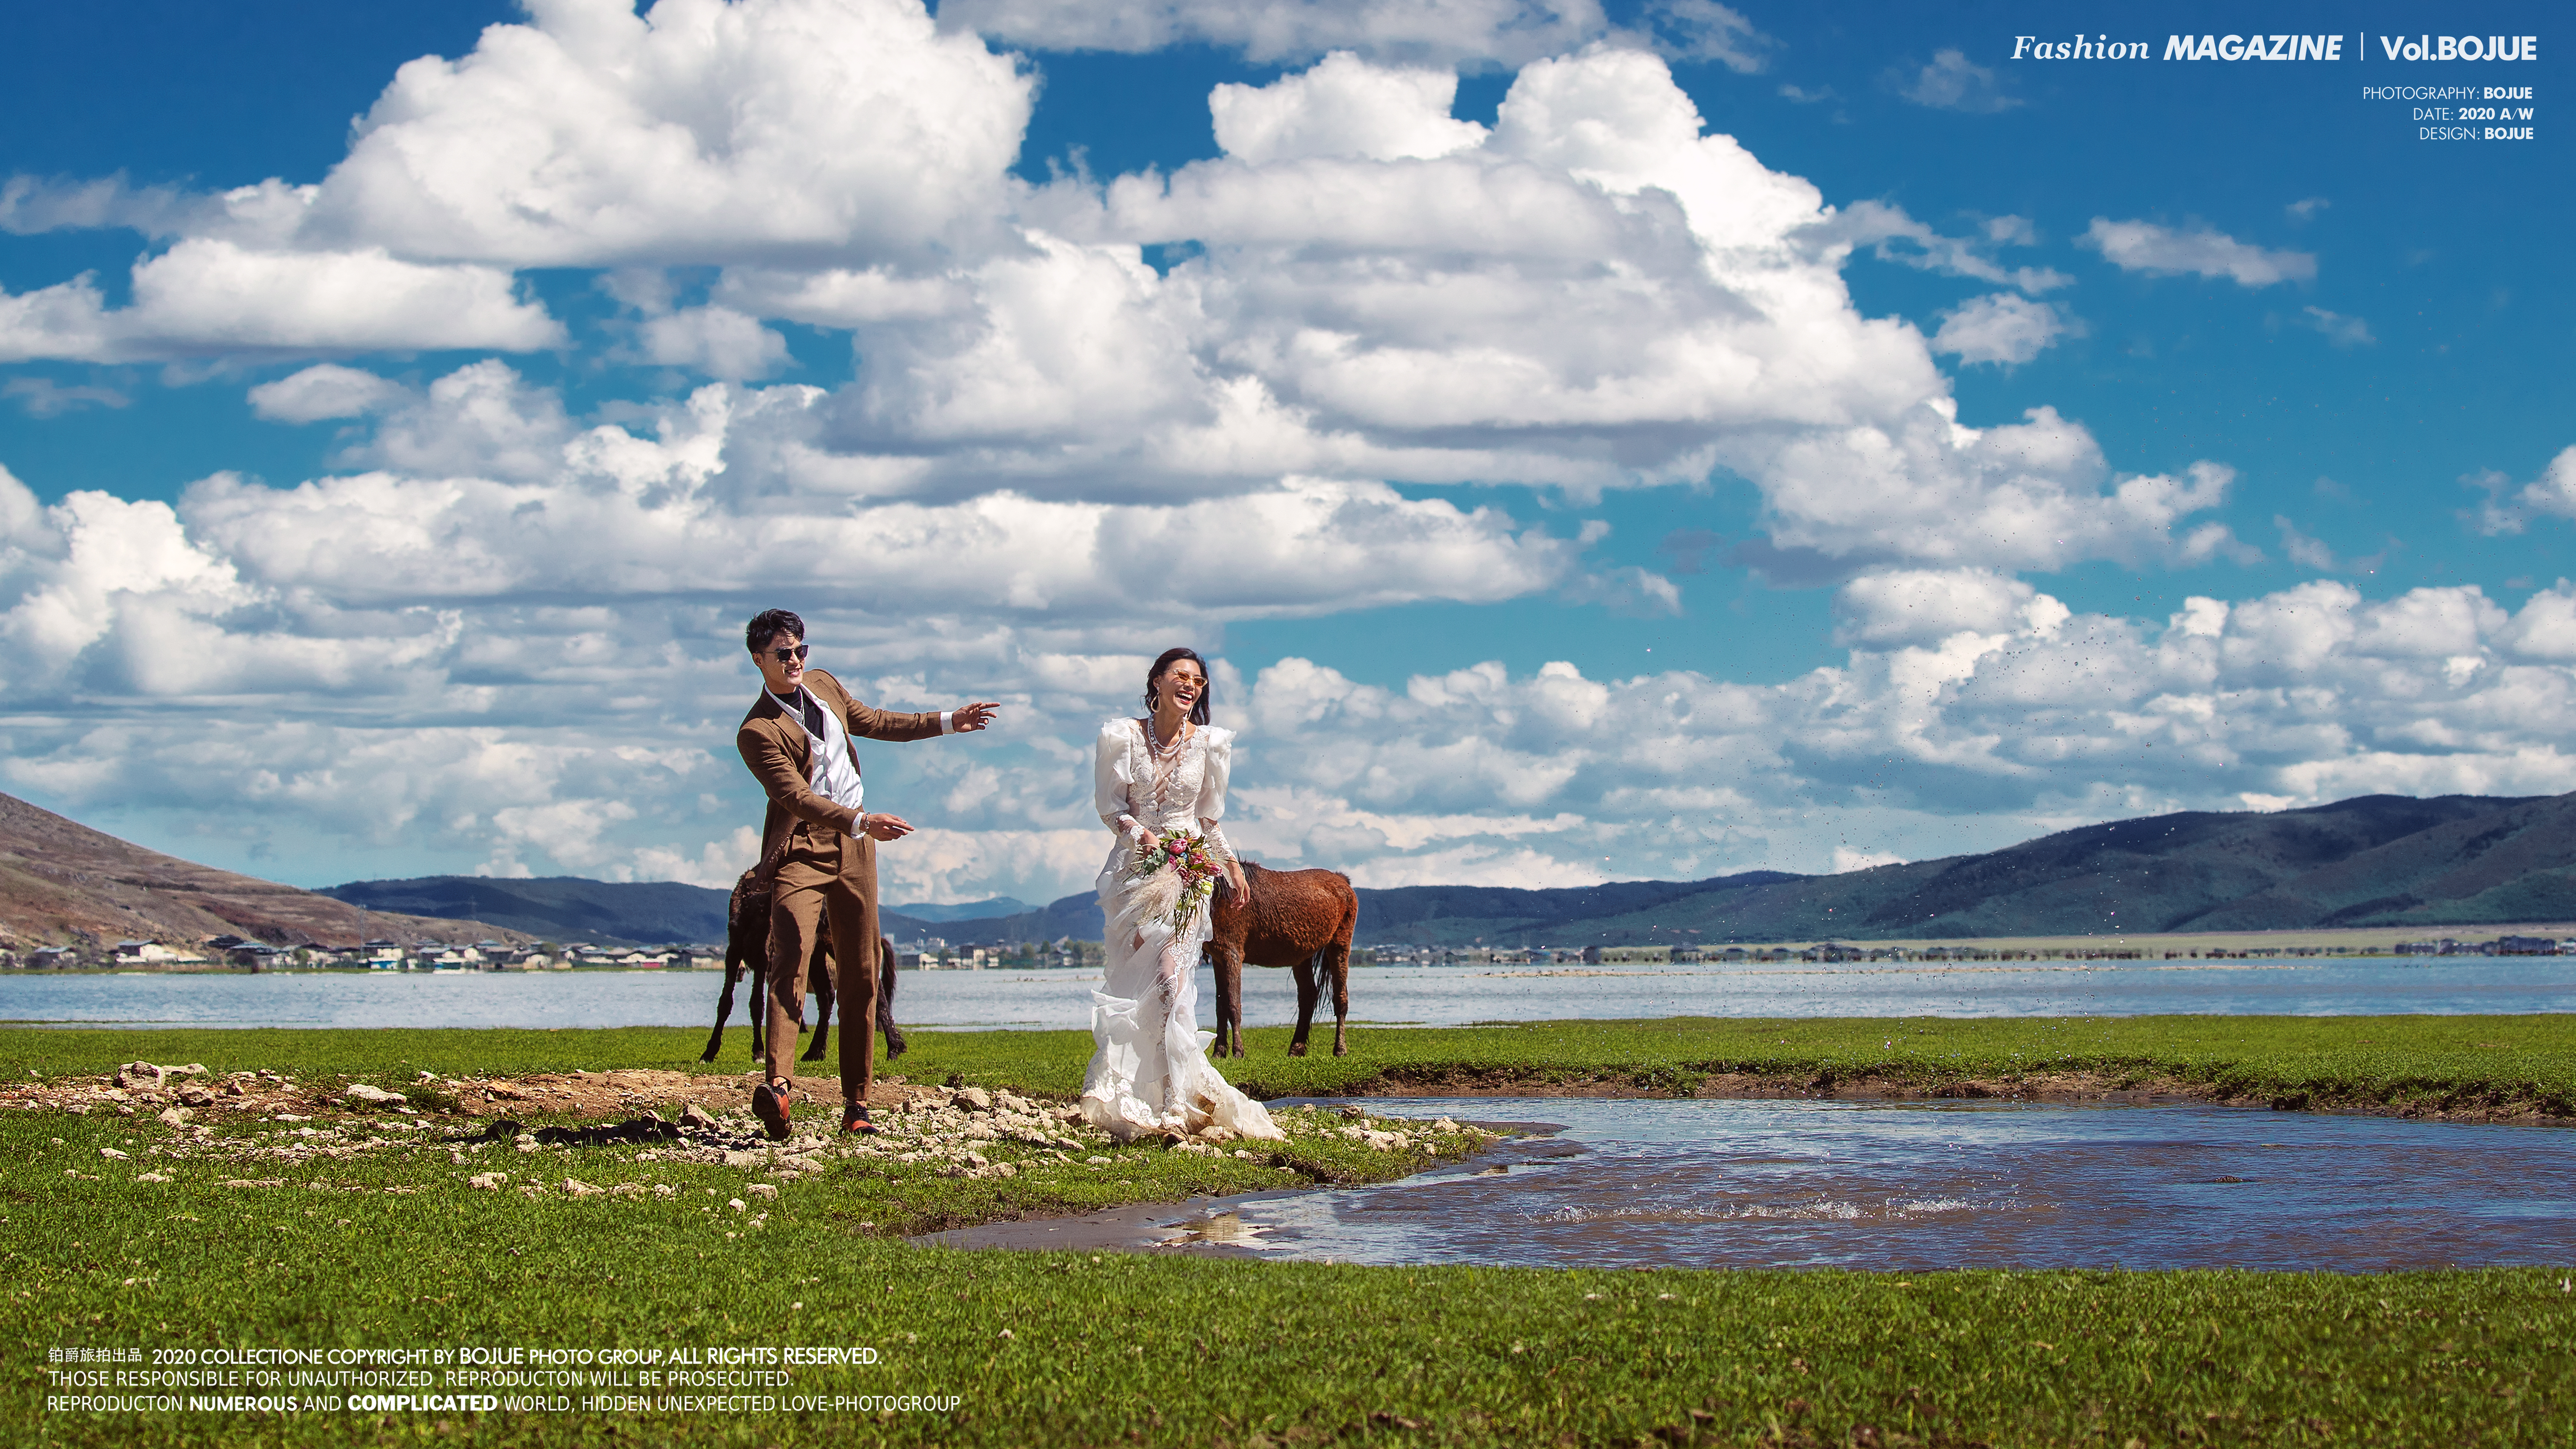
747	949
1301	919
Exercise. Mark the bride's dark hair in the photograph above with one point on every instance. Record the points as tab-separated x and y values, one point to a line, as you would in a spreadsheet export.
1163	664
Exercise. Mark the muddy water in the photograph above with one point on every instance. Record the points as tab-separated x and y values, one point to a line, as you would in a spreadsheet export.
1918	1186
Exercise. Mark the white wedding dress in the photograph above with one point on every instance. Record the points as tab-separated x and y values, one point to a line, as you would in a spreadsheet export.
1149	1068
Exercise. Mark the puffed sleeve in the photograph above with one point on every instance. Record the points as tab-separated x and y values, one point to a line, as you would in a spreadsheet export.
1218	751
1110	774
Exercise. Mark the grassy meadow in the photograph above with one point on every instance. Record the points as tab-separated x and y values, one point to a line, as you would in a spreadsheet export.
357	1233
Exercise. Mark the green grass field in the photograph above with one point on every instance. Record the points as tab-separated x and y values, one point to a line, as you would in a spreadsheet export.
388	1247
2429	1063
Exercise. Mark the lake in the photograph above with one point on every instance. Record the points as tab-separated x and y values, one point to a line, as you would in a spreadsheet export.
1408	995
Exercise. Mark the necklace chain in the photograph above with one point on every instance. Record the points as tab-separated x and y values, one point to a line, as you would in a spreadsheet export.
1165	759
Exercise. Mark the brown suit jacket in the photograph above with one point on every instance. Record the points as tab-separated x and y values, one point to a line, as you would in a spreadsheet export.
780	754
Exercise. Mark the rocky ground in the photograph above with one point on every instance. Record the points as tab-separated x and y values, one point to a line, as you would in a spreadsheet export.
270	1130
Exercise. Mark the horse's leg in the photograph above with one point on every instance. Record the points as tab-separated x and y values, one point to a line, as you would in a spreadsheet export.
724	1002
758	962
1337	959
1228	961
820	973
1306	993
885	998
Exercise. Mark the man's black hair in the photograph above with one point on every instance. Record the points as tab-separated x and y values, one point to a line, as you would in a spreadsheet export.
768	624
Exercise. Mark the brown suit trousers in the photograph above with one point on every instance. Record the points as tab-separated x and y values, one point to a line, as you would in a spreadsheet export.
826	876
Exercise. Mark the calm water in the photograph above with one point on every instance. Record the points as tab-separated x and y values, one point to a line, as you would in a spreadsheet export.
1424	995
1920	1186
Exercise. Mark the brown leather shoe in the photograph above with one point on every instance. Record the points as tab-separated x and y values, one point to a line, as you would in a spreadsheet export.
771	1102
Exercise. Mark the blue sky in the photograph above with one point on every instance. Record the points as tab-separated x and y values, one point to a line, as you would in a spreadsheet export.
1569	494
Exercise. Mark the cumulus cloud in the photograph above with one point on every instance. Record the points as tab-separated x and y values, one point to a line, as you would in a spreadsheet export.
2551	495
540	676
325	390
1343	107
2001	328
694	132
1091	417
2031	495
1412	32
1952	82
716	341
1925	606
2159	251
208	297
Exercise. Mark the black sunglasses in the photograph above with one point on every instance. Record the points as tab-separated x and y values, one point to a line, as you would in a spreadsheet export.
786	655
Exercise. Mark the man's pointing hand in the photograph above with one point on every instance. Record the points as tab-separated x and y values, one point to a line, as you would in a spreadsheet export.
976	716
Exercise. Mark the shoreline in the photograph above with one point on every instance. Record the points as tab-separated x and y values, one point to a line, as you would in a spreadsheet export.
2066	1086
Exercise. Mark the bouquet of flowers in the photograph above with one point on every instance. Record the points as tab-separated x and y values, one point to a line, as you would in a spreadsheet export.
1195	871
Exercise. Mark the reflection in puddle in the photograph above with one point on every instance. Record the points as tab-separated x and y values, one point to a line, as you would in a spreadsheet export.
1918	1186
1216	1230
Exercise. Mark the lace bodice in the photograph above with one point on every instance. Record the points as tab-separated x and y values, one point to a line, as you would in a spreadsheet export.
1177	792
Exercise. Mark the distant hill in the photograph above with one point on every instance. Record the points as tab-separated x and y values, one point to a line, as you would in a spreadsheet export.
2380	860
557	908
972	911
62	882
624	913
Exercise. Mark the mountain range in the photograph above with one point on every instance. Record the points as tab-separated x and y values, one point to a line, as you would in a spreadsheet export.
2378	860
63	883
646	913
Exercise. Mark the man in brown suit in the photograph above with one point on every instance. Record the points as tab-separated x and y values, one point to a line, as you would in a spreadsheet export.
797	741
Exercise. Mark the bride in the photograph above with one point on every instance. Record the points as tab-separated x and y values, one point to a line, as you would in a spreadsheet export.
1160	783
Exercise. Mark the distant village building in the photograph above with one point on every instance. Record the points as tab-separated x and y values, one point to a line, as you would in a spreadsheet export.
153	953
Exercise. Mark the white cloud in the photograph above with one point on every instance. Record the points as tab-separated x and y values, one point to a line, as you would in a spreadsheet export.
2020	496
30	207
508	635
695	132
2339	329
1343	107
1411	32
717	341
1952	82
42	397
325	390
1706	30
2305	551
2140	246
208	297
1883	226
1847	859
2553	495
2001	328
1924	606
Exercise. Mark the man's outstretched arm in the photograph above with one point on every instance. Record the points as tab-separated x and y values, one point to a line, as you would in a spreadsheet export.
870	723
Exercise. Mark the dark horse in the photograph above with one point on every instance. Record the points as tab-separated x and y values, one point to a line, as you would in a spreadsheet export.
747	949
1300	919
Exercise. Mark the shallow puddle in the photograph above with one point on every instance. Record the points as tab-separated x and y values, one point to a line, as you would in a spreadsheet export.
1915	1186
